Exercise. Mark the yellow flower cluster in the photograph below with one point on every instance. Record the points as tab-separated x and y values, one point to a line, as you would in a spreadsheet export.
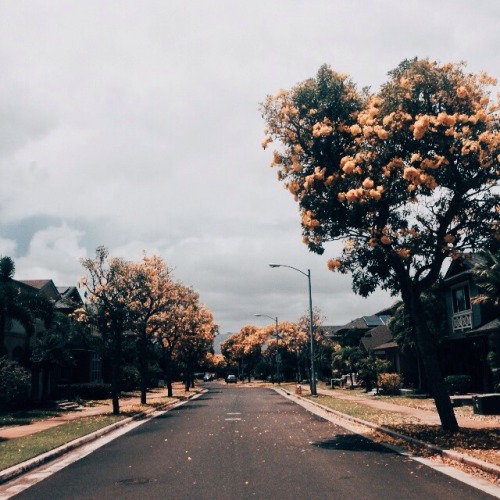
322	129
307	220
265	142
333	264
421	126
416	177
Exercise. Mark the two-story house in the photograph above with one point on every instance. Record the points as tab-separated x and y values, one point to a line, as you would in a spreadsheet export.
86	366
470	325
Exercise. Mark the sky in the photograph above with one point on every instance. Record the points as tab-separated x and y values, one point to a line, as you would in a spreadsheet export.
135	125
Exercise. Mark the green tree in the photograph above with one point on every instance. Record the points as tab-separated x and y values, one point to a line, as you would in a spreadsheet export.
16	303
51	348
14	384
345	360
486	275
434	316
404	176
369	369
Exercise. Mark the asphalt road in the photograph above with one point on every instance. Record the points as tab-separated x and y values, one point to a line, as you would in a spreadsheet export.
237	443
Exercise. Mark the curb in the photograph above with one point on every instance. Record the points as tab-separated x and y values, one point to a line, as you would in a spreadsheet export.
453	455
33	463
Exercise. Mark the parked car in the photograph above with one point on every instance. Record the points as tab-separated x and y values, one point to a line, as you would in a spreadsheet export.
231	379
208	377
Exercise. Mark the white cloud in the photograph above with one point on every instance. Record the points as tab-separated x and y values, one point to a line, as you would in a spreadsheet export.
54	253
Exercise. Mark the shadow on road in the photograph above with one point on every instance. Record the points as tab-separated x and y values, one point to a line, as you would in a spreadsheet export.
351	442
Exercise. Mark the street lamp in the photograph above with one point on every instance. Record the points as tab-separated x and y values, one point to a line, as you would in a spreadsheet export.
275	319
311	334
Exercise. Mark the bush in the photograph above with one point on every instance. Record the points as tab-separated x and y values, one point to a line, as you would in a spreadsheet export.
85	391
131	378
15	385
458	384
369	369
390	383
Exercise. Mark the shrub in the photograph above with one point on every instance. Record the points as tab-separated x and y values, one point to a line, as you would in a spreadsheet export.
368	370
458	384
131	378
15	385
390	383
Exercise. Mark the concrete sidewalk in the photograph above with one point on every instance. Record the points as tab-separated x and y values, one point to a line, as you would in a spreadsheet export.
427	417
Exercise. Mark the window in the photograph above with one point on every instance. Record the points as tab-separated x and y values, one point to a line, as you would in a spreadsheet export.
95	368
461	298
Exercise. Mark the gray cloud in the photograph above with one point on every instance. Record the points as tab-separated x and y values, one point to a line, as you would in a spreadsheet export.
135	125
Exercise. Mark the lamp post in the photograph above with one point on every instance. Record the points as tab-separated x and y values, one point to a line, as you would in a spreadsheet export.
311	332
275	319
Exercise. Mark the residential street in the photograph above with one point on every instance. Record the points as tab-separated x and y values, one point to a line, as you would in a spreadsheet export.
234	443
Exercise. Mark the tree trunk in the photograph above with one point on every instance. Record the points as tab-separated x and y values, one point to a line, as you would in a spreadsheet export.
116	371
168	373
143	366
428	353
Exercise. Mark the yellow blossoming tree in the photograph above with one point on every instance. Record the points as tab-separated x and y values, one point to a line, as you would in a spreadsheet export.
407	176
150	298
107	288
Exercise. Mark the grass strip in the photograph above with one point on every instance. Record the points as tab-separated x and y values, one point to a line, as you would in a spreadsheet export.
484	444
17	450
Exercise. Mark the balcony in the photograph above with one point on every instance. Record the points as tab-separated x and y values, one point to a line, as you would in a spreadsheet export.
462	321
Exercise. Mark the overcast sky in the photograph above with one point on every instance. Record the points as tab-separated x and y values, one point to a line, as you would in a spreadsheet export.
135	125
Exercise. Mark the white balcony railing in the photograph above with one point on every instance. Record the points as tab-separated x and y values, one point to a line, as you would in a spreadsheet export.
462	321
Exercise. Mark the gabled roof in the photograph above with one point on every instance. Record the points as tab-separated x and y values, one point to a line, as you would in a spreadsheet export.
65	298
45	287
70	298
363	323
460	268
330	331
487	328
376	337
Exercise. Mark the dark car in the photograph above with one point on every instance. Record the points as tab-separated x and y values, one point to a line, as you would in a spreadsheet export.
231	379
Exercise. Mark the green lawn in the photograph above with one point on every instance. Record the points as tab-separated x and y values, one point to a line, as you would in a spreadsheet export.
14	451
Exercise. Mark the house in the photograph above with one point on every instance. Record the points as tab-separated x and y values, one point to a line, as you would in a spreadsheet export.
470	326
464	346
351	333
86	365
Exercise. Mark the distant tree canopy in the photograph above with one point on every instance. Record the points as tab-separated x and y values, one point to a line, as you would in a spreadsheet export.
404	176
142	300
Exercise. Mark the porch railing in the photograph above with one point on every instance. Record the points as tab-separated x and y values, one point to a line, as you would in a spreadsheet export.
462	321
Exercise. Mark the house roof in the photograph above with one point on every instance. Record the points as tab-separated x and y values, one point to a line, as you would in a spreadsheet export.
460	268
376	337
330	330
364	323
486	328
386	346
45	287
36	283
65	298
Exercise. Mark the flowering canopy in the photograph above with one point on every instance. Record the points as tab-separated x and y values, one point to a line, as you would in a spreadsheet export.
405	176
